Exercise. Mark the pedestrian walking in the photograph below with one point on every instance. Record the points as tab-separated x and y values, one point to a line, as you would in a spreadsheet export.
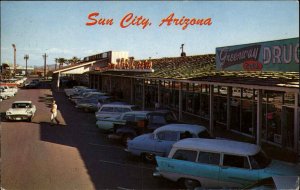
54	113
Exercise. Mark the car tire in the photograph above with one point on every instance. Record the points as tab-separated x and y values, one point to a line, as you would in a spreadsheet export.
190	184
148	157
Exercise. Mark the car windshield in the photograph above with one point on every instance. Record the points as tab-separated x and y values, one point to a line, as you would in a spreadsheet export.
21	105
259	160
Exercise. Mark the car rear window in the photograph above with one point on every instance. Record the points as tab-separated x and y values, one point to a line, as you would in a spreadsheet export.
107	109
259	160
236	161
204	134
187	155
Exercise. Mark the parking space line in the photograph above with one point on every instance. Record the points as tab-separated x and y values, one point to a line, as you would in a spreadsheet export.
131	165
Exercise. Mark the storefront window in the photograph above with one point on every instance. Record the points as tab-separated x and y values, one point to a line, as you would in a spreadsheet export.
220	109
272	124
235	108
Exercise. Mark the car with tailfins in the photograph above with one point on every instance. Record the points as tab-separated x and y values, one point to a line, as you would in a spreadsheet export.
107	111
159	143
219	163
139	122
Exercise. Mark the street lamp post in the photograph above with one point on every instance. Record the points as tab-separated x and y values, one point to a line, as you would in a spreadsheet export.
26	57
15	51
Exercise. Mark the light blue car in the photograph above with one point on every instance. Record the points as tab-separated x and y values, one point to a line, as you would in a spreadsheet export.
215	163
161	140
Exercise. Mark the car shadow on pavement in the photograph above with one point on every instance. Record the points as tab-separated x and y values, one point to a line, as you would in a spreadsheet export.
106	163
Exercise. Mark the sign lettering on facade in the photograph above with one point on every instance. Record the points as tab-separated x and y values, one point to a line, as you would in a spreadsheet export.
280	55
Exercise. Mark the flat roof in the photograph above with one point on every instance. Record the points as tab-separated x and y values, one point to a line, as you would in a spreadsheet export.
202	68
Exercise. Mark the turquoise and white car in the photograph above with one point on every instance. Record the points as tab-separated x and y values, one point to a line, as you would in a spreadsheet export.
216	163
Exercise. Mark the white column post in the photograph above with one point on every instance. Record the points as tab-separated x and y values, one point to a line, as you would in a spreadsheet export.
58	80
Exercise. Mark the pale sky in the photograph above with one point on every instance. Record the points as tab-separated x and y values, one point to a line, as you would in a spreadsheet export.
59	29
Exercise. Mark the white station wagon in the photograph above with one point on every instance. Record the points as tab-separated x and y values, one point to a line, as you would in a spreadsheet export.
215	163
21	110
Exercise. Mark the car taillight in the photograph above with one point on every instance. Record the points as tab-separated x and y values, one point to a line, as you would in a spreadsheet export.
141	123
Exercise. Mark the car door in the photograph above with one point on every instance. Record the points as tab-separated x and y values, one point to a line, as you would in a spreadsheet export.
236	170
164	141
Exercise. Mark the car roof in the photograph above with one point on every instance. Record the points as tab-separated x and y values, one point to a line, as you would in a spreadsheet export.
218	145
181	127
117	105
137	112
19	102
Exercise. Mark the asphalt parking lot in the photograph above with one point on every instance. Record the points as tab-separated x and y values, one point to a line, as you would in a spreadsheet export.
71	155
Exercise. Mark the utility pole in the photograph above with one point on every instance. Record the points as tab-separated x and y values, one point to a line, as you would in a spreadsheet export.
26	57
45	65
15	52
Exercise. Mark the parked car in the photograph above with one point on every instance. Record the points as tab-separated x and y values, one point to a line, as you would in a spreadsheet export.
79	92
91	104
12	89
161	140
113	110
138	123
84	93
86	96
130	116
32	84
72	91
21	110
215	163
6	94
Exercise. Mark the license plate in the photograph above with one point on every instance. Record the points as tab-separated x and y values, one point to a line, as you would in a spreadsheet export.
18	118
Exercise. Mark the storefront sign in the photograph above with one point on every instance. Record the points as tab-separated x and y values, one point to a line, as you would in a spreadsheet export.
280	55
